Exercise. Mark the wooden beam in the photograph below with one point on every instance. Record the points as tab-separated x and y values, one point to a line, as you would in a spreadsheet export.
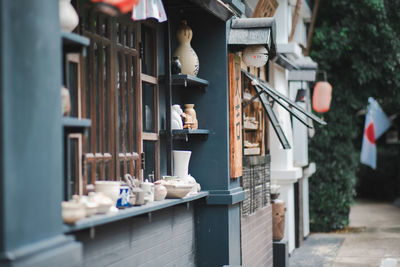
306	51
295	18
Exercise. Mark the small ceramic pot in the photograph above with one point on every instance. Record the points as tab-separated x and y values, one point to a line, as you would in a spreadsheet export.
176	66
160	191
148	189
139	196
109	188
104	202
189	109
72	211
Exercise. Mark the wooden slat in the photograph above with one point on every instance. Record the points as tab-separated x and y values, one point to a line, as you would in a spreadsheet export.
149	79
138	106
92	109
131	119
156	110
150	136
235	116
101	105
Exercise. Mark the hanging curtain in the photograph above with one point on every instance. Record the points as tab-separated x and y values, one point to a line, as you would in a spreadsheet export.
149	9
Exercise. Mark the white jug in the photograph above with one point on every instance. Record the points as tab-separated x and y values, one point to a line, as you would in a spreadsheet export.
181	163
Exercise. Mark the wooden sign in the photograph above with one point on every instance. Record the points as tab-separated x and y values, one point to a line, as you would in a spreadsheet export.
235	116
265	8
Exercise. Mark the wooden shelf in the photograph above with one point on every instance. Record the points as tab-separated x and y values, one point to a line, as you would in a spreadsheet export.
73	42
188	81
185	133
75	125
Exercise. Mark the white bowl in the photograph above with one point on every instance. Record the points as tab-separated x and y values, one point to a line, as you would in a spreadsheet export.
72	211
108	188
177	190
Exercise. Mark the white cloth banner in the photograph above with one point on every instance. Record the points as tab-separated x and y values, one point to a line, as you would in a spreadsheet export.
149	9
376	123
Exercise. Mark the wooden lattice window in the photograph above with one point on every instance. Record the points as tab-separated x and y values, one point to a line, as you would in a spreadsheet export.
115	96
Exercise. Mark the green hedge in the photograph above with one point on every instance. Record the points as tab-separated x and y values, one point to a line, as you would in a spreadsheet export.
332	187
357	43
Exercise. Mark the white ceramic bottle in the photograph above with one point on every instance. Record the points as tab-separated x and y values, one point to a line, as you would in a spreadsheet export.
185	52
68	17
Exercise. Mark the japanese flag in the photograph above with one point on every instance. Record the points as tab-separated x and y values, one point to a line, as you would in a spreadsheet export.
376	123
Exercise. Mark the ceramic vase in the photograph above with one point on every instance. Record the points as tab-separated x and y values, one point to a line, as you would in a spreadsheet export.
187	56
189	109
181	163
68	17
176	119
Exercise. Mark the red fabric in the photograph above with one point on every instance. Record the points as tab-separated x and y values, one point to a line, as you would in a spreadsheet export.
370	133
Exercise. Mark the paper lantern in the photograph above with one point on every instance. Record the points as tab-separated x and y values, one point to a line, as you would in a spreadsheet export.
115	7
255	56
322	97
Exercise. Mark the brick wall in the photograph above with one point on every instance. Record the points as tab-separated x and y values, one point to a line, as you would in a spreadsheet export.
168	240
256	238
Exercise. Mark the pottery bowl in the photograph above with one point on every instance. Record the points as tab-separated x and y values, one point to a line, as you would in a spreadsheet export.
72	211
109	188
177	190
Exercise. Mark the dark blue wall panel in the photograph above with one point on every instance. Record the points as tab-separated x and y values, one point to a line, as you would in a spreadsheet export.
31	155
167	240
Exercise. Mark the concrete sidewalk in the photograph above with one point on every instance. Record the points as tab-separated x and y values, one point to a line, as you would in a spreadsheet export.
374	234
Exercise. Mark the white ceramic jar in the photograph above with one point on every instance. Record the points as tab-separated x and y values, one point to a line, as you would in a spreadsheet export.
68	17
148	189
108	188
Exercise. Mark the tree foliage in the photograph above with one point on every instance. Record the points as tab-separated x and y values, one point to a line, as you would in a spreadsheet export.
357	43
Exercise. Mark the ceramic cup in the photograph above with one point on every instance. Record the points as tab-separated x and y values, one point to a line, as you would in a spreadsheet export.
123	200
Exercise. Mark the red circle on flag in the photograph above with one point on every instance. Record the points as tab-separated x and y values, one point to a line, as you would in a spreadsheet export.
370	133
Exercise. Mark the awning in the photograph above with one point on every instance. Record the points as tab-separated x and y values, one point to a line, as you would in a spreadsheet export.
253	31
268	97
216	7
307	70
284	62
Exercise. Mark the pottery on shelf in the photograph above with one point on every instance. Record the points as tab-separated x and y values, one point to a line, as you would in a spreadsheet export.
160	191
187	56
181	171
189	110
148	189
103	201
72	211
68	17
91	206
176	119
181	163
176	66
65	101
177	190
138	195
109	188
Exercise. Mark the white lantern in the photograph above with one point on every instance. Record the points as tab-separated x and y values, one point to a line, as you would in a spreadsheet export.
255	55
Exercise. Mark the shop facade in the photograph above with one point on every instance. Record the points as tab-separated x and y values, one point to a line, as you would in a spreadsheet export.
119	75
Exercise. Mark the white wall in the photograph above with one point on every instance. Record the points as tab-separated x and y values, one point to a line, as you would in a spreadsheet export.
300	131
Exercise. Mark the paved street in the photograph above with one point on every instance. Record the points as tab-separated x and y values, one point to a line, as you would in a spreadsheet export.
373	235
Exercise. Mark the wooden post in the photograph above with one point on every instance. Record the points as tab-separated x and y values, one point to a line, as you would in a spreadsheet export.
295	18
311	30
235	116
